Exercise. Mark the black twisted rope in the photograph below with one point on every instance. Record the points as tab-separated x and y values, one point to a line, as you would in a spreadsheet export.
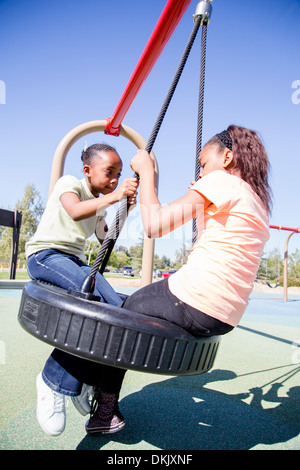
200	116
117	224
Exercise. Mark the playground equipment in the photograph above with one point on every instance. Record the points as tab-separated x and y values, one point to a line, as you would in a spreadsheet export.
12	219
112	335
285	266
75	321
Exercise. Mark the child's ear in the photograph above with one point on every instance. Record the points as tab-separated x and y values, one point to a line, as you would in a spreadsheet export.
228	158
86	170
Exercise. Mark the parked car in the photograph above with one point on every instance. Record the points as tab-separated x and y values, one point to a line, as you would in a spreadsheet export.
128	271
168	273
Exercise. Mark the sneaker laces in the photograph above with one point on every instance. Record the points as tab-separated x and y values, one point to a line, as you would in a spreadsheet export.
95	401
58	402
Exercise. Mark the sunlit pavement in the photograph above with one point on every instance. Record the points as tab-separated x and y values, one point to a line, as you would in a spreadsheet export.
250	400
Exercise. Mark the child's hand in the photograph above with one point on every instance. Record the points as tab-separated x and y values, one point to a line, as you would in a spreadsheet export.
142	162
128	188
132	199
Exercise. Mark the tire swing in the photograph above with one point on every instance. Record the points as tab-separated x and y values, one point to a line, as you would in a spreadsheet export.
77	323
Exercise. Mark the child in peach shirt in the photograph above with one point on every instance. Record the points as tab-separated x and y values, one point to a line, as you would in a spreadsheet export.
232	200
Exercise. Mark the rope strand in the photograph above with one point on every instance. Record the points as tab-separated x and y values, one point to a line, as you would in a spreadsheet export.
200	117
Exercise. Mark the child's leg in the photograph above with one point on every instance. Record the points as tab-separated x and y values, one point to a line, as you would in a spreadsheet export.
105	414
92	373
64	372
68	271
157	300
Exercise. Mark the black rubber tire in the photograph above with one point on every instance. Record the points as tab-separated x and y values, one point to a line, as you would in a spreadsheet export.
112	335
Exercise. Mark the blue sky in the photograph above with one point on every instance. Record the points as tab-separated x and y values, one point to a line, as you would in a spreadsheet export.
67	62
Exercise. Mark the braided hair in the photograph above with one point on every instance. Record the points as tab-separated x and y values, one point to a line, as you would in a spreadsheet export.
249	157
88	154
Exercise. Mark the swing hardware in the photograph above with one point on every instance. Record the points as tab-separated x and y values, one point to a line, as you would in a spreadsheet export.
115	131
203	9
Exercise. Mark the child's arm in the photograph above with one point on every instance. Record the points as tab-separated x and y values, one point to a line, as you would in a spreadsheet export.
80	210
159	220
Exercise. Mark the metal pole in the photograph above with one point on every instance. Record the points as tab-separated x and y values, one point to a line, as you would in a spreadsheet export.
289	229
285	260
285	267
168	21
15	244
203	11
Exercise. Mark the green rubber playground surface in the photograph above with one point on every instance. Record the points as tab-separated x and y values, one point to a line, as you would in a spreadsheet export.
249	401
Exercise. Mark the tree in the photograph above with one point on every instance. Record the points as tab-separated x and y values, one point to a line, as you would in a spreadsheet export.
121	249
32	209
271	265
123	260
294	264
157	263
92	248
181	257
166	262
136	256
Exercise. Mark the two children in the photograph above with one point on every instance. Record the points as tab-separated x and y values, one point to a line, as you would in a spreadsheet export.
208	295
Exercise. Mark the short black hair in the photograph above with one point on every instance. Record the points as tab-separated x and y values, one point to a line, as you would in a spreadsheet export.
88	154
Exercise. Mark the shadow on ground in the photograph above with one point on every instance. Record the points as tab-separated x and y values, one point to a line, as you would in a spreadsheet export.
176	414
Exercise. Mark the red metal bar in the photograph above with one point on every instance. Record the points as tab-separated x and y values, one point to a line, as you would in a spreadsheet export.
169	19
279	227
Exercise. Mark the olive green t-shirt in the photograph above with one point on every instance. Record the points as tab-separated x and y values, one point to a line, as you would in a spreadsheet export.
57	230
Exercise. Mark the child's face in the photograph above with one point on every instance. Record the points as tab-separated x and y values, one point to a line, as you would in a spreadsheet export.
212	159
104	173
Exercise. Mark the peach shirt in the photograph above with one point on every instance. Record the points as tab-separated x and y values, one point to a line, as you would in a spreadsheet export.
219	274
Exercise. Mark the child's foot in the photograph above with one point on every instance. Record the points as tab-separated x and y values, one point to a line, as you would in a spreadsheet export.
82	402
50	410
106	417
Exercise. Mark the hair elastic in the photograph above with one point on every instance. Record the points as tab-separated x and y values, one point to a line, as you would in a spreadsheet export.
225	138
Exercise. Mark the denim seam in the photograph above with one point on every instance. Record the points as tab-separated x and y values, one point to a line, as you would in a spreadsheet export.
56	273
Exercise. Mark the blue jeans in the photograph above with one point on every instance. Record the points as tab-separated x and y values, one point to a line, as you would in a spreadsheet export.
64	372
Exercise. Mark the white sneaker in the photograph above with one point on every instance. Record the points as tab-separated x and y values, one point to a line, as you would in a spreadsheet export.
50	410
82	402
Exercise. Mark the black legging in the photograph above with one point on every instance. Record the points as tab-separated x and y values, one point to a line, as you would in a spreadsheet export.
91	373
157	300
